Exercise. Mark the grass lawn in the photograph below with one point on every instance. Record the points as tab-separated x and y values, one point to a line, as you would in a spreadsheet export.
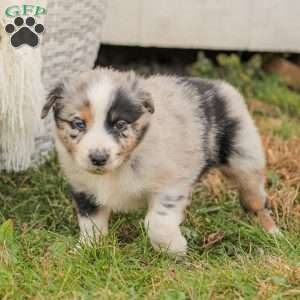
229	256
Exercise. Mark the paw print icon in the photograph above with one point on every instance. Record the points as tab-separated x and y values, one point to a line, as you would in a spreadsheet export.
24	33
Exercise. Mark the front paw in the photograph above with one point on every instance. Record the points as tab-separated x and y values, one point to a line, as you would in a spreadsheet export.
170	242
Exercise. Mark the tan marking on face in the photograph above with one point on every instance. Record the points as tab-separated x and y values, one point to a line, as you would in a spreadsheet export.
128	146
131	141
65	139
86	114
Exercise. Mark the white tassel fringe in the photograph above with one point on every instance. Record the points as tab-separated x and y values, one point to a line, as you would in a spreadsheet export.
21	98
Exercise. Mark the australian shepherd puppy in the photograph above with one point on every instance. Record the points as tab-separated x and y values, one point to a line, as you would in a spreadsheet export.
126	141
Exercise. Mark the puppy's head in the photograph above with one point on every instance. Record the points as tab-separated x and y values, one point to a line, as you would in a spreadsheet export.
101	118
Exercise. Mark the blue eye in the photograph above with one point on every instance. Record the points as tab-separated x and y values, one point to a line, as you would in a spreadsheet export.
79	124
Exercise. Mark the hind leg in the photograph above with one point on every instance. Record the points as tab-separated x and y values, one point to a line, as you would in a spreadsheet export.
252	194
241	156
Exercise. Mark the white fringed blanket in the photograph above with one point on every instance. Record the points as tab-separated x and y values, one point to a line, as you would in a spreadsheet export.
21	98
69	45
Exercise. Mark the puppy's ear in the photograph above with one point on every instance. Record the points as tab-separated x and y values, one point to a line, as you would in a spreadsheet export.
144	95
54	95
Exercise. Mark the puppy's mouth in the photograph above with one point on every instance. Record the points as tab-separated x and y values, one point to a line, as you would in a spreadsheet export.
102	170
98	171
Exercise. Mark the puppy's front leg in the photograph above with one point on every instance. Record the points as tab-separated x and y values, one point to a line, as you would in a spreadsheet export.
165	213
93	218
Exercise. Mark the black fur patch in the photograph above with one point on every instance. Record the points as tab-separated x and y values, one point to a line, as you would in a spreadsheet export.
161	213
203	86
214	108
226	139
170	201
168	205
179	198
85	203
122	108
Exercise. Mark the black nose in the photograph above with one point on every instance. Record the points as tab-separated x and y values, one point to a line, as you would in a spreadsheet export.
98	159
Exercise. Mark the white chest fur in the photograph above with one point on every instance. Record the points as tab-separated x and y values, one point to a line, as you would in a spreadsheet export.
121	191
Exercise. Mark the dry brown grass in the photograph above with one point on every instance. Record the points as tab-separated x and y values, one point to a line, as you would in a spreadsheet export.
284	162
